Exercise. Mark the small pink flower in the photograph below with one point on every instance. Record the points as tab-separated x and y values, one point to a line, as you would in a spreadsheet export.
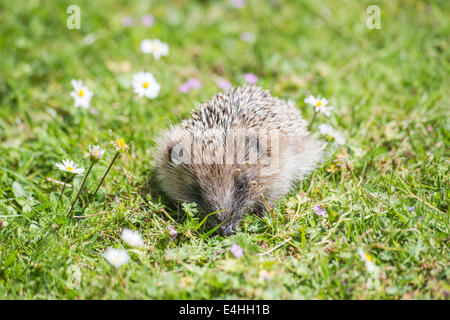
238	3
194	83
264	275
127	21
174	232
191	84
251	78
224	84
320	210
184	88
148	20
236	250
247	37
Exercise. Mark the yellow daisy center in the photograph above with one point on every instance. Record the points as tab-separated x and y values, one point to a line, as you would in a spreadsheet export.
69	168
80	93
319	103
121	143
368	257
145	85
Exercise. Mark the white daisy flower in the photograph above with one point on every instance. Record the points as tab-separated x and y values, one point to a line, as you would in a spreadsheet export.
69	166
89	39
119	145
132	238
328	131
145	85
155	47
367	260
117	257
95	152
81	94
320	104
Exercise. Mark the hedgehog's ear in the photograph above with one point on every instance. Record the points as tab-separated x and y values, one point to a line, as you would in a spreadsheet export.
174	153
179	151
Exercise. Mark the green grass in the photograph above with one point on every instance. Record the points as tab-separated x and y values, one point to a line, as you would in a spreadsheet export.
389	86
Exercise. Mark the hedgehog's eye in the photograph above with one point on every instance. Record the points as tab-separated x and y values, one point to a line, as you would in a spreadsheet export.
240	185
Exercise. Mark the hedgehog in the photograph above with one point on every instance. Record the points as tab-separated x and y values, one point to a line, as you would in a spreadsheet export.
238	153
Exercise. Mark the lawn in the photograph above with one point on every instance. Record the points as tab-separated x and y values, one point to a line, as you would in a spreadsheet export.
383	231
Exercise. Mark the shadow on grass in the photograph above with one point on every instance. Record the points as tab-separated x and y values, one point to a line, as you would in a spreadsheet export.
150	188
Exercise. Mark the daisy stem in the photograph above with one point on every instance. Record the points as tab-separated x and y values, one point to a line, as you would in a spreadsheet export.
81	188
106	173
62	191
132	109
312	120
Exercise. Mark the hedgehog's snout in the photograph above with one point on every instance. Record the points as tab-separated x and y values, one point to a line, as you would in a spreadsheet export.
223	219
226	230
228	199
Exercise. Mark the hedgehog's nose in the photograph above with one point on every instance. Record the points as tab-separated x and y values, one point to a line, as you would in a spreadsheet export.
228	230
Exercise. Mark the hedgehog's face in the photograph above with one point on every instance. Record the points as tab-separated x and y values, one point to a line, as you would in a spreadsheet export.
198	173
230	195
222	192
